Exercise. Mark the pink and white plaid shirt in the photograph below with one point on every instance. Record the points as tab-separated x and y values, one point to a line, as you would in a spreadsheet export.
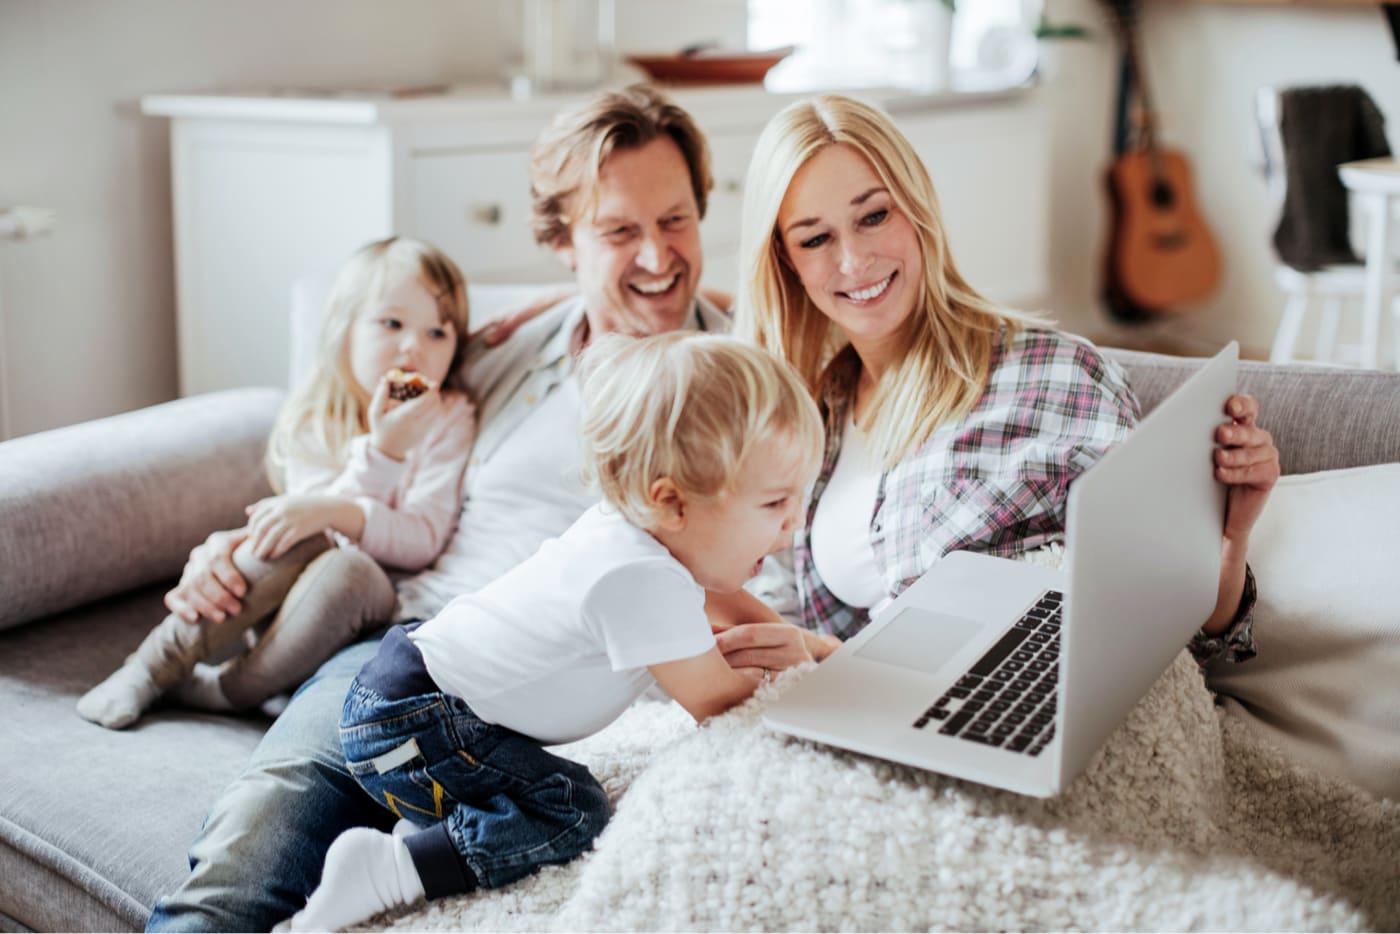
996	481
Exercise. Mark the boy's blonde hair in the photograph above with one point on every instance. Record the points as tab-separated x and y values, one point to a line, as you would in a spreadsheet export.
686	406
953	332
325	413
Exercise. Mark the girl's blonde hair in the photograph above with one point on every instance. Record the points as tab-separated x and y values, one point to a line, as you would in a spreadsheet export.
686	406
328	410
953	332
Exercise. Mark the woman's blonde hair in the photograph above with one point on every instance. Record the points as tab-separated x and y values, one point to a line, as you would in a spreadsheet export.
953	332
328	410
686	406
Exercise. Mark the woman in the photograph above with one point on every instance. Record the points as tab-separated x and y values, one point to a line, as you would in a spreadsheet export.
951	424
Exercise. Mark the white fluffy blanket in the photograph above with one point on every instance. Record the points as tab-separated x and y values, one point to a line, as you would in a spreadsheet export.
1184	821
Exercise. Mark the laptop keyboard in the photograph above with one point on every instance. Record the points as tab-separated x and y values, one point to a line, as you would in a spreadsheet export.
1007	698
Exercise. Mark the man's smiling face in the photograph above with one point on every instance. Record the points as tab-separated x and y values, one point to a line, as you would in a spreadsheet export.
637	255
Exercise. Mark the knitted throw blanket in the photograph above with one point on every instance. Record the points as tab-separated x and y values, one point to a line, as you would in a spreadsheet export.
1321	127
1184	821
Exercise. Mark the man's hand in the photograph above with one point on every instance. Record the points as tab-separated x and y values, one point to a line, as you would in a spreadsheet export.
210	585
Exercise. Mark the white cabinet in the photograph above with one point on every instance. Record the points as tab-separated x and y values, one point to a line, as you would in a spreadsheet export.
270	188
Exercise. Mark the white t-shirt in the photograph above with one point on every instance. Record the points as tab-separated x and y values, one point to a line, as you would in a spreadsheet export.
841	549
558	647
525	493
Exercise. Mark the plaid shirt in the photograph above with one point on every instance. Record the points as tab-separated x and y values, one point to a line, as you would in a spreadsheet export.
995	481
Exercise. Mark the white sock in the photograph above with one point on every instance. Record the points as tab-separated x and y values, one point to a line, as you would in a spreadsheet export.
121	699
201	690
367	872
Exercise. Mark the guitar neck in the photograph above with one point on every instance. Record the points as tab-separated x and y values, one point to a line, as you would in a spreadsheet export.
1124	16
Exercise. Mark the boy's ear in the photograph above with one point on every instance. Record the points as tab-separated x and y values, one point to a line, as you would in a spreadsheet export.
668	502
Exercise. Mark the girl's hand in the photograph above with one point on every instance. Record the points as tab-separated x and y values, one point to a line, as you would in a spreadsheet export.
277	523
1247	462
397	427
772	646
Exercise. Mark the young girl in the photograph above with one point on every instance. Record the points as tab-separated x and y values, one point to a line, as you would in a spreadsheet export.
370	453
703	447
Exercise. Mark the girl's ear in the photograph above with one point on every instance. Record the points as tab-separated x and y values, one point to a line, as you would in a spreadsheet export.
668	504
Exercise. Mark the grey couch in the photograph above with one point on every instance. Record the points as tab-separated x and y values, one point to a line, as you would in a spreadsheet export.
95	523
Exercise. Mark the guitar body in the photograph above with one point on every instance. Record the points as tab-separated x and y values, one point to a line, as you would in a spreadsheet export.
1162	253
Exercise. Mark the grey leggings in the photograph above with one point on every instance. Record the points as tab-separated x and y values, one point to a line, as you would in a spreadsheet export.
299	610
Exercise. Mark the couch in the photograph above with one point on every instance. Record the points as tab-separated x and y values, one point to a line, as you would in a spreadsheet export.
97	519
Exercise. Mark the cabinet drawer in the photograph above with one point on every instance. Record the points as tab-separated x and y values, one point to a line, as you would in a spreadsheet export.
476	207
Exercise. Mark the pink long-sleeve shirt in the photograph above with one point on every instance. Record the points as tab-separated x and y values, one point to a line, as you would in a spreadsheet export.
411	506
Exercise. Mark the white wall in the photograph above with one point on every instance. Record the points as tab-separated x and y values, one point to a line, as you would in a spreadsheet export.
87	315
1205	62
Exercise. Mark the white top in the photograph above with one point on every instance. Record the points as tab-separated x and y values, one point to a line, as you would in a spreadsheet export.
410	506
558	647
841	548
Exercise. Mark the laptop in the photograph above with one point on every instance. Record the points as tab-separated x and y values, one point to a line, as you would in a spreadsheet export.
1013	675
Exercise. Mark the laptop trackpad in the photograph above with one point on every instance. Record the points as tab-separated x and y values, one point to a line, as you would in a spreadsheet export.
920	639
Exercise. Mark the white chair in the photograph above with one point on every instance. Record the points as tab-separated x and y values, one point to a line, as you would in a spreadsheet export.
1332	289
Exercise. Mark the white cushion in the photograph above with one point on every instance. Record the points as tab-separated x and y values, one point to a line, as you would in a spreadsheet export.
1325	686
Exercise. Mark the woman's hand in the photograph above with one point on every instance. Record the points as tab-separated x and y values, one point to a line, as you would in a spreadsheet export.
210	585
1247	462
772	646
278	523
397	427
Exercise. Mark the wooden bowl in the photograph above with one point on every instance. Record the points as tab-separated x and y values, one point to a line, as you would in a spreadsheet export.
710	66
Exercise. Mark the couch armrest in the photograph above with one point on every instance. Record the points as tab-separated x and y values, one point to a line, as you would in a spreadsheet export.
109	505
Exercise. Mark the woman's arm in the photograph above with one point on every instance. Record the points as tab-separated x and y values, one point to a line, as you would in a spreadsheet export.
1248	463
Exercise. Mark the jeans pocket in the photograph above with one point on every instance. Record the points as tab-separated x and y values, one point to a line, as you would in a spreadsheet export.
398	779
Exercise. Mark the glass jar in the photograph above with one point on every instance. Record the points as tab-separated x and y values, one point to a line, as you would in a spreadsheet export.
556	45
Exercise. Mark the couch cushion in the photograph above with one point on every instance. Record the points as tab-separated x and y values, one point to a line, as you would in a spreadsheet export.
1322	418
1325	687
103	507
94	823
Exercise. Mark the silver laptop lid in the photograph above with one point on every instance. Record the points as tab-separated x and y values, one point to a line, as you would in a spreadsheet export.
1150	513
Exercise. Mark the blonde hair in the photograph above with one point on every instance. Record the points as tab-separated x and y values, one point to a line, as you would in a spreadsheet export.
953	332
686	406
328	410
566	159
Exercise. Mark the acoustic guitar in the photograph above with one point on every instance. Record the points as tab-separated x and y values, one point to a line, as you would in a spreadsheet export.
1161	254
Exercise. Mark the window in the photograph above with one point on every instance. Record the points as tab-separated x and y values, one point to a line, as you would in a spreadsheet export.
901	43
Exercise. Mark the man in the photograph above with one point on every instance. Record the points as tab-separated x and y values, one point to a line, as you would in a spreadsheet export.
627	223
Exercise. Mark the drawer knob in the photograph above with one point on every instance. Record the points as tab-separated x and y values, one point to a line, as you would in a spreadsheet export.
486	213
732	186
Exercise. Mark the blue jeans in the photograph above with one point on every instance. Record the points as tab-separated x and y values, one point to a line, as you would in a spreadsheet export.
499	805
262	847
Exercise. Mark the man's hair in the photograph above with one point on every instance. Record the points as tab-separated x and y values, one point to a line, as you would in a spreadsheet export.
686	406
566	159
952	335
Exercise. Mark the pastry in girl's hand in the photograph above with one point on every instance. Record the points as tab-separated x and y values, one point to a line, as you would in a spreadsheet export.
405	385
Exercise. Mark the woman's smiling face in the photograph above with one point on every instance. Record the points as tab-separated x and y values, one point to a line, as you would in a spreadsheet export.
856	254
